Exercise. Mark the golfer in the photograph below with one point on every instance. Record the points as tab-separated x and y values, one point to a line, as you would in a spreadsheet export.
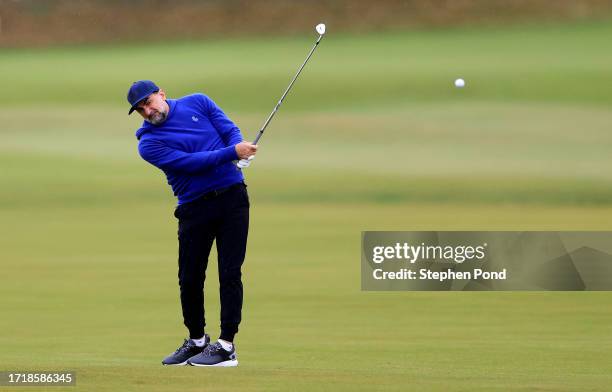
194	143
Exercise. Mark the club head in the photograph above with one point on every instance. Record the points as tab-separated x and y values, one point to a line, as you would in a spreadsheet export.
320	28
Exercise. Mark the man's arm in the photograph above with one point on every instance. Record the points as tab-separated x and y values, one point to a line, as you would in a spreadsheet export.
166	158
229	132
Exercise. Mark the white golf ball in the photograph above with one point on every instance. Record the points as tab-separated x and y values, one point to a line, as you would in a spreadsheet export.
459	83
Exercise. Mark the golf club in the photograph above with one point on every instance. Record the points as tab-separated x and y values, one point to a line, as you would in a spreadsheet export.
320	28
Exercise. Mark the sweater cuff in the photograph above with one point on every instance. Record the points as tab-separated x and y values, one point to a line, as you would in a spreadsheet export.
228	154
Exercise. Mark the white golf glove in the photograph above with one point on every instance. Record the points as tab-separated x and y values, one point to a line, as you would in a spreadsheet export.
244	163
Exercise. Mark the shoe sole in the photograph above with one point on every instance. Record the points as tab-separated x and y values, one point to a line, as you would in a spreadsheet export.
230	363
176	364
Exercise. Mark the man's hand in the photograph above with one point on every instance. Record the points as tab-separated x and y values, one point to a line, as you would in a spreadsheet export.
244	163
244	150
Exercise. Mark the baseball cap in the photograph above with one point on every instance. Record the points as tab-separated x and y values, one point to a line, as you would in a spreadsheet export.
139	91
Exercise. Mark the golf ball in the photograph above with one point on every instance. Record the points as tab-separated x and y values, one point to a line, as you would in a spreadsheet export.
459	83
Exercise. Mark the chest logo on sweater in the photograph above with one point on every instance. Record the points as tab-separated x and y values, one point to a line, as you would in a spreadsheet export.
195	119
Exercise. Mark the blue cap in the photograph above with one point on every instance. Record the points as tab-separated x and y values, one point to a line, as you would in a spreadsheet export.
139	91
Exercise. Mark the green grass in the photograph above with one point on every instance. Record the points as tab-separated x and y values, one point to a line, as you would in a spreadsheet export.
559	63
374	137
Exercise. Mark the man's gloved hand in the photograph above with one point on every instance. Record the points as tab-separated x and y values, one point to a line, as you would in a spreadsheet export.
244	163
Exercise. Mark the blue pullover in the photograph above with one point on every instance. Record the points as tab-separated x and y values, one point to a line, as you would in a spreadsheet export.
194	147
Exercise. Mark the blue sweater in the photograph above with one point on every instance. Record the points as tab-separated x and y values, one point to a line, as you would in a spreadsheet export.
194	147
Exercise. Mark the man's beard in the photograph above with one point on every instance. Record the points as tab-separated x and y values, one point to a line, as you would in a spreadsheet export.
157	118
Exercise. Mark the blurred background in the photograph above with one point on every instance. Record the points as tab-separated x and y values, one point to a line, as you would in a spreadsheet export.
52	22
374	136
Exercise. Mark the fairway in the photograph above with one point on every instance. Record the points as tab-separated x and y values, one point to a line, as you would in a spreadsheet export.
373	137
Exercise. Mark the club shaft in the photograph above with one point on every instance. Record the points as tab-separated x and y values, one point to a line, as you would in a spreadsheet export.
280	101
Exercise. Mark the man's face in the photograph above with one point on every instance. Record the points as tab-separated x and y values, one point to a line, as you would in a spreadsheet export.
154	108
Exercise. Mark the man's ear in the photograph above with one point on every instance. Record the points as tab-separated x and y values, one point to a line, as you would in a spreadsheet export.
162	93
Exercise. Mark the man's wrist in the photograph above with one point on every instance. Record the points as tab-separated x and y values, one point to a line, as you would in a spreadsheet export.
229	153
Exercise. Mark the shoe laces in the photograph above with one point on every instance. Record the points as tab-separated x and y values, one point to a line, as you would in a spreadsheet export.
183	347
211	349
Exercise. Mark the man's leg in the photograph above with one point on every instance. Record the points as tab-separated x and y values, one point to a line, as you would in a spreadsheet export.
195	242
231	248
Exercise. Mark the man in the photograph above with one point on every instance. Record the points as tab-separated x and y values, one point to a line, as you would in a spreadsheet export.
194	143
